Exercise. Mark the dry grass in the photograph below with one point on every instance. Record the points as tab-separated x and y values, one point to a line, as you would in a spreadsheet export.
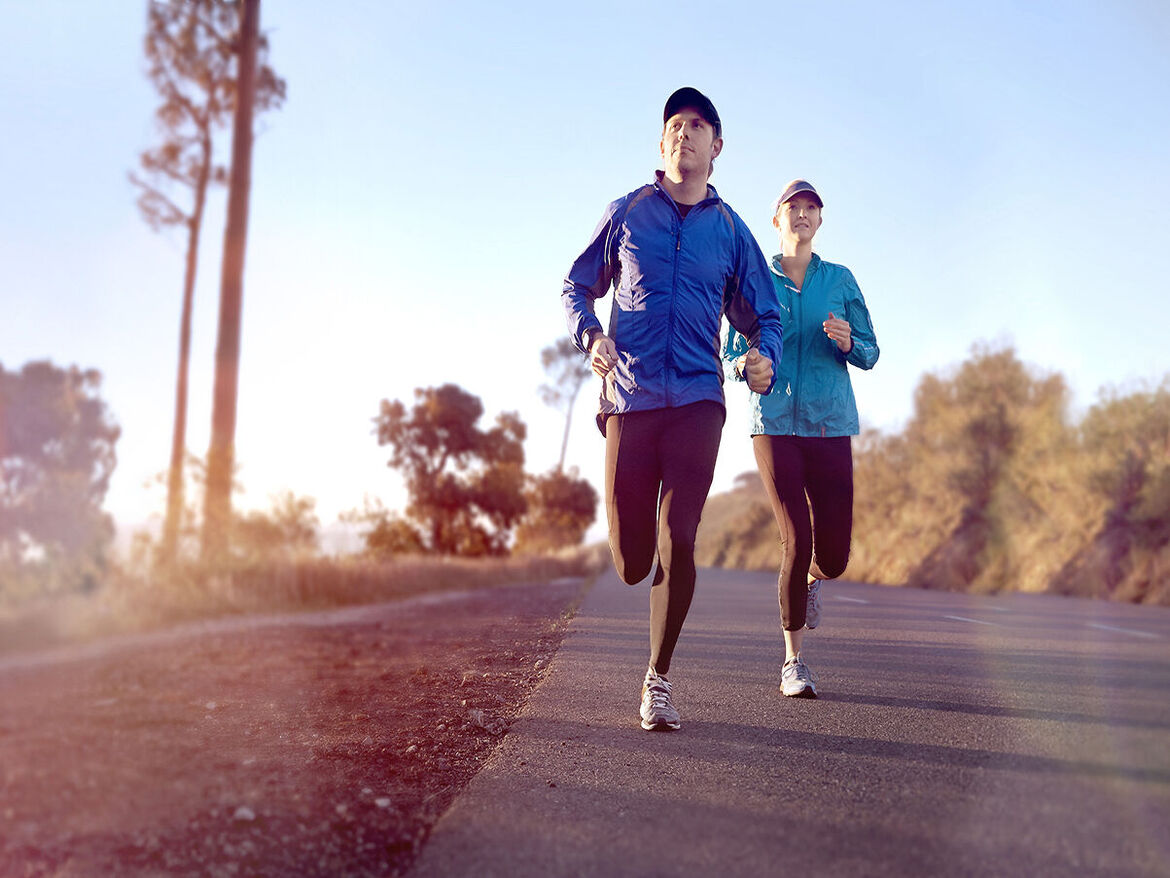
125	604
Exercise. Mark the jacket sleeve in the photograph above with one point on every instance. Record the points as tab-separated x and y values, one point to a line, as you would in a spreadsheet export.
864	353
591	276
734	347
751	303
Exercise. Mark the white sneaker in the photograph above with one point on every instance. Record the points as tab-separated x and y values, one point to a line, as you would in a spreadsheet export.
795	679
658	714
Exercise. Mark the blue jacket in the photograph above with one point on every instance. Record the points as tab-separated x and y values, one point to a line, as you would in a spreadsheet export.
813	395
673	279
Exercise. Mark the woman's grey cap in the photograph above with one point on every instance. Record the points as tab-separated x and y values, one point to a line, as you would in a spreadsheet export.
695	99
796	187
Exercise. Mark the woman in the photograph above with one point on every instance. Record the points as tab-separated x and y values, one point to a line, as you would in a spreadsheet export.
801	429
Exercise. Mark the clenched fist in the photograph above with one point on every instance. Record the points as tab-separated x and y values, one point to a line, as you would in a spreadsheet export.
603	355
757	369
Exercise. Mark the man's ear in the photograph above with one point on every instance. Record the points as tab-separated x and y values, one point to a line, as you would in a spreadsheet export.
716	147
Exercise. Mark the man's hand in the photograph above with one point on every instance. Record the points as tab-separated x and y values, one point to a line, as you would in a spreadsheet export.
603	354
757	369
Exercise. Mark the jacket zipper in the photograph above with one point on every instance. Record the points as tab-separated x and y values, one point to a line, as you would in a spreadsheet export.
673	303
798	305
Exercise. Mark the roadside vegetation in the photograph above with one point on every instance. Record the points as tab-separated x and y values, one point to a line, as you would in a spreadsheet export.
991	486
475	519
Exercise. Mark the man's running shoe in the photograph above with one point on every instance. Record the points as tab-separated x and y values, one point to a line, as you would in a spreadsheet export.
796	681
658	714
812	615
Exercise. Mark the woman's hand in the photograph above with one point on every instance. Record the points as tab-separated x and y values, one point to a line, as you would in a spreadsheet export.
603	355
840	332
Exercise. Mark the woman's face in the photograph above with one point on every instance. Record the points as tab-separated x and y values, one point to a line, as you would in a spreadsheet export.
798	218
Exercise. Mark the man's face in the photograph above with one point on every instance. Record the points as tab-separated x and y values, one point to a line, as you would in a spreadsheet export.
799	217
689	144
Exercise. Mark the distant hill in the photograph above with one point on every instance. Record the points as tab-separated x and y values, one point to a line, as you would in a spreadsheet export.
738	529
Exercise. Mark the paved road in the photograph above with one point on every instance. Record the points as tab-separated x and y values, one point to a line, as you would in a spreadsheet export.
954	735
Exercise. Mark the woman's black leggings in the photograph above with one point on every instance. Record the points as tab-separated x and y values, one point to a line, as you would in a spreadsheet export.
794	468
658	470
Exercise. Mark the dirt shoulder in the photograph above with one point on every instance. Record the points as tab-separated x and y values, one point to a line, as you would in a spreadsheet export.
306	745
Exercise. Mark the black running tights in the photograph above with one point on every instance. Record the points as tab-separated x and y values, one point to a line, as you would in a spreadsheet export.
800	472
658	469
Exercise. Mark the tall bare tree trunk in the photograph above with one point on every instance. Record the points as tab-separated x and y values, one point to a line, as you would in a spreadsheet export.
217	509
565	440
179	437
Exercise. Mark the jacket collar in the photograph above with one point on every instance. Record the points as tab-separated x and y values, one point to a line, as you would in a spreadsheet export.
659	175
813	265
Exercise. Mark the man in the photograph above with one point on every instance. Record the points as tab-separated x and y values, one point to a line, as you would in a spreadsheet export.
677	258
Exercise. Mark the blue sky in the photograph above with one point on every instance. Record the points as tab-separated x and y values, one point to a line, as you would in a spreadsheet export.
992	171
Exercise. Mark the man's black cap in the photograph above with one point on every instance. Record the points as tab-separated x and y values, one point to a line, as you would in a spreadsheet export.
696	100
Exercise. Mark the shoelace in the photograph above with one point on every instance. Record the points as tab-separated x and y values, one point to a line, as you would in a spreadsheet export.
659	692
799	670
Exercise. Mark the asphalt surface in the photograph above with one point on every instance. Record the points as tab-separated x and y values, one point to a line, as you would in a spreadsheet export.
953	735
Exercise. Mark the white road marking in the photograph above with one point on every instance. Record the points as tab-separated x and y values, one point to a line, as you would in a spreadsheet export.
965	619
1121	630
838	597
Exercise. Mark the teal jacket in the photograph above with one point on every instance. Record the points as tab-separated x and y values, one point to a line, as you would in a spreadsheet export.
812	394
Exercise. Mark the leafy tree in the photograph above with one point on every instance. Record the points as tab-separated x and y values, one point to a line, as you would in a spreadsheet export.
989	486
388	534
466	485
1126	451
393	536
1004	424
286	532
561	507
569	370
975	492
56	457
191	51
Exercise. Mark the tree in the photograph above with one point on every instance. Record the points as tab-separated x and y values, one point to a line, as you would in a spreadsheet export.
190	526
190	50
466	485
561	507
56	456
389	535
569	370
1125	443
991	439
217	503
288	531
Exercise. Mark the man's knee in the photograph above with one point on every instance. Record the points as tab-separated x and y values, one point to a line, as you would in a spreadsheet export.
678	552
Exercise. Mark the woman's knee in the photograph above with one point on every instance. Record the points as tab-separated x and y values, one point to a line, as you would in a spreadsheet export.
831	568
632	570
